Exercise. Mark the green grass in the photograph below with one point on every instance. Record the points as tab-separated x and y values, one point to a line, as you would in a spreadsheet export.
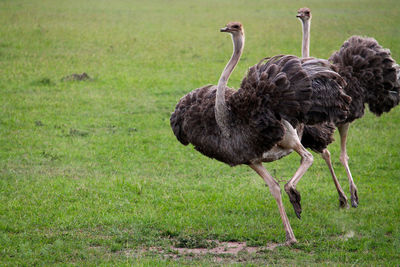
90	172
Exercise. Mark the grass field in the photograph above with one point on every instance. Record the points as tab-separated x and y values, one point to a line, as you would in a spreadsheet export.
91	173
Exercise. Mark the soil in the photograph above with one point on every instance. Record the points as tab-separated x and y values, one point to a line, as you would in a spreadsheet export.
222	252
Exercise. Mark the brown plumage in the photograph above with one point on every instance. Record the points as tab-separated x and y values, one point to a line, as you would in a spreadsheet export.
370	73
275	89
329	102
318	137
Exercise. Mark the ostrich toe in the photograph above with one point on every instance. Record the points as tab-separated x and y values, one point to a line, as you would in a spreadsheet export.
294	197
343	202
354	196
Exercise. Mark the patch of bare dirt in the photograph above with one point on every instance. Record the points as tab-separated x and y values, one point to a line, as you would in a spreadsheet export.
223	248
221	252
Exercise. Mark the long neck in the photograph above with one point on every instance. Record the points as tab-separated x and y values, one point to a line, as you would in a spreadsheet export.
221	110
305	46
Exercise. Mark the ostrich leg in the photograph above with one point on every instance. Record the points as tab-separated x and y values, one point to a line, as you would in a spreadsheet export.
291	141
344	158
276	192
290	186
326	155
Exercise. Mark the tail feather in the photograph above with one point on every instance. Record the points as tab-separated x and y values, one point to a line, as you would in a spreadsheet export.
177	119
370	73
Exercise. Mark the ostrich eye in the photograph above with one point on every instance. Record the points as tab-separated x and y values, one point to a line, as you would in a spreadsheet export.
307	13
236	26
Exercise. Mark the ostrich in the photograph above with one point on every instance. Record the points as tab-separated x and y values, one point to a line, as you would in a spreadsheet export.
256	123
372	77
318	138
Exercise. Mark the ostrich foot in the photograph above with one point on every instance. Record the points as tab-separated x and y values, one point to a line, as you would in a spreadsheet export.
343	201
354	196
290	242
295	198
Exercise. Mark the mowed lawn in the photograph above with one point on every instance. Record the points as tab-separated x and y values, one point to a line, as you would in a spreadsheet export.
91	173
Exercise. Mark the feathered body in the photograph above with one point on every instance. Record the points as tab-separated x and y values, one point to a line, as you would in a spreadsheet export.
330	103
282	87
255	113
370	74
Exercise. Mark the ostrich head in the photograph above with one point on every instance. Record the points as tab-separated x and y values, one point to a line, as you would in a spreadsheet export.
304	14
234	28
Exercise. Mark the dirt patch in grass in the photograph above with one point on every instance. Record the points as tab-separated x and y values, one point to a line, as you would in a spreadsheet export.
222	248
222	251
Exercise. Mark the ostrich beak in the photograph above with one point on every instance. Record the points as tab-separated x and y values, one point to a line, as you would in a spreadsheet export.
299	15
225	29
